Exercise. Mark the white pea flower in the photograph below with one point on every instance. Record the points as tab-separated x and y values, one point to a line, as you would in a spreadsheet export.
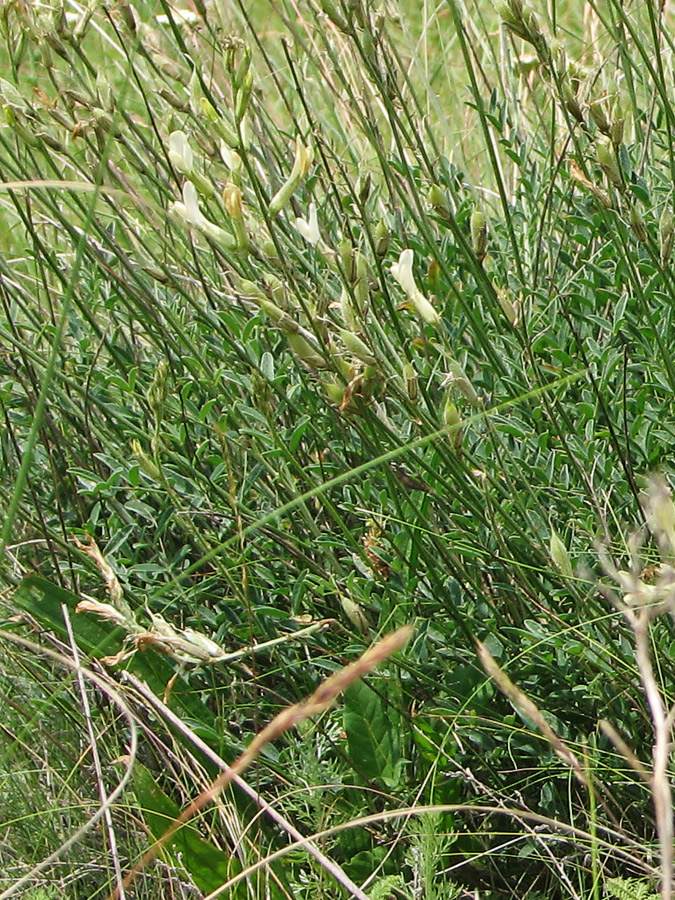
301	166
403	273
179	16
190	213
180	152
309	228
189	210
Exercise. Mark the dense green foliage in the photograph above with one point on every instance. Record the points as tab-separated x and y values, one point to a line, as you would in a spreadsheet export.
315	336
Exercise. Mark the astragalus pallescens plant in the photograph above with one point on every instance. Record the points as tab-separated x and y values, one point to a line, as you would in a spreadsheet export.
645	593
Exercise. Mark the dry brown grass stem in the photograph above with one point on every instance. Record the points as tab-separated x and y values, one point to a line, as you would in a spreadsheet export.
635	860
330	866
321	700
662	796
109	690
529	708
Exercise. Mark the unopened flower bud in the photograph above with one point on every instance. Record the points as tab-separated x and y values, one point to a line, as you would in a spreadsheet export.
410	380
478	234
382	240
559	554
232	199
358	347
606	156
347	259
309	227
637	223
452	420
438	202
666	233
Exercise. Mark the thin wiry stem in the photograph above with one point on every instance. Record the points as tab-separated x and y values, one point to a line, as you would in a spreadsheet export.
321	700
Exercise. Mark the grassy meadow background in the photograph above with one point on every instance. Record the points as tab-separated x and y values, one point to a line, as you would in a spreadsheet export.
318	320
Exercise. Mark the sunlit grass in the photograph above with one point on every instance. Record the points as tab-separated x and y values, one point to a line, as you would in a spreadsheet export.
322	319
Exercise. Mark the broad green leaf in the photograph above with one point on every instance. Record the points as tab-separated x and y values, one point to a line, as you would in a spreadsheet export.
373	731
208	866
96	638
44	601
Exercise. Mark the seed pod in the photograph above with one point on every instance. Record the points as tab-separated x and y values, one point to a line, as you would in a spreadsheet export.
434	276
598	115
279	293
330	10
362	283
127	14
334	391
578	176
281	319
371	383
616	132
457	377
363	187
355	614
347	310
242	98
241	71
510	307
571	102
